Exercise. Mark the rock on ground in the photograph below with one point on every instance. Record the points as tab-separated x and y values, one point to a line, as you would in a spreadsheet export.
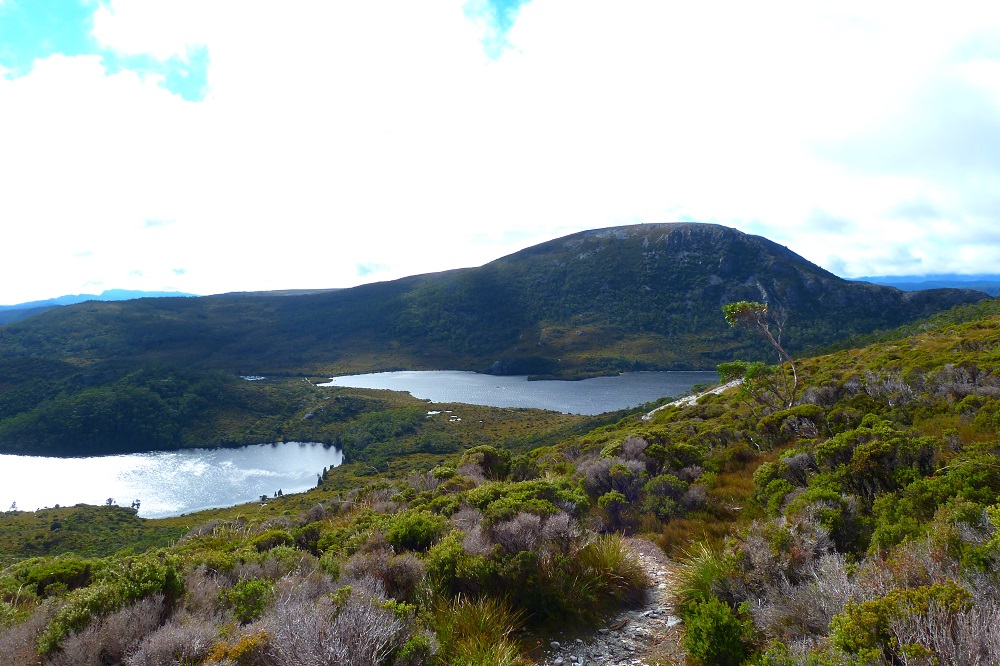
644	636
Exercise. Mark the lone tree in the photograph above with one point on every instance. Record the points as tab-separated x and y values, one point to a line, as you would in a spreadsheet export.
758	317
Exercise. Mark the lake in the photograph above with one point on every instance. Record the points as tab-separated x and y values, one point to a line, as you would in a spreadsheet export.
587	396
167	483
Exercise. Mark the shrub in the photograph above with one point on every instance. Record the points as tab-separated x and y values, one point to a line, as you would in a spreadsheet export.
82	606
271	538
64	573
715	635
356	632
415	530
184	639
864	628
494	463
329	563
663	494
249	599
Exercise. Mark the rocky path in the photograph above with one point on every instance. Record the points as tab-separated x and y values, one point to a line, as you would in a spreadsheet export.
644	636
689	400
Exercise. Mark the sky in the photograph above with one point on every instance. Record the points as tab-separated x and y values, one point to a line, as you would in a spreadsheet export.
209	146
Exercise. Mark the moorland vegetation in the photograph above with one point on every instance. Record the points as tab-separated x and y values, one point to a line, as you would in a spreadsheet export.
162	373
860	525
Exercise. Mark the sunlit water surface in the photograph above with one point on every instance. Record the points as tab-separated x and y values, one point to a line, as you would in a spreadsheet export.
588	396
167	483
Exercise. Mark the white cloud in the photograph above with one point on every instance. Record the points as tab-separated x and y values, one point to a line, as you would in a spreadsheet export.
342	134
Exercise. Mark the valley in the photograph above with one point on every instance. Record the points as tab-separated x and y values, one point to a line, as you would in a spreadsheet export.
857	525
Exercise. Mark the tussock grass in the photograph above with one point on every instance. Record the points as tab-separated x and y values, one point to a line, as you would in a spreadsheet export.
477	632
610	570
699	575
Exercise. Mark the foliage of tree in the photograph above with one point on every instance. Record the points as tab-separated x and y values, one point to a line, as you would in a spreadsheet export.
760	318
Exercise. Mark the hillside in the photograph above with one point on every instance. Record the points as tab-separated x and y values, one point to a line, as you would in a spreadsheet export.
862	525
640	297
600	301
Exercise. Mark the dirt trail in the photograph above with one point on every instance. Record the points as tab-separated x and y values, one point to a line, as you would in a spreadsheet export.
644	636
689	400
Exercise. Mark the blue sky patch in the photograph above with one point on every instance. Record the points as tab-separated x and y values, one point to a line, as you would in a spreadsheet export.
32	29
36	29
186	77
500	16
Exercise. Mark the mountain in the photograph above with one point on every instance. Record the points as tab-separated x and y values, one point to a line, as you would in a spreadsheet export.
19	311
625	298
106	295
598	301
861	525
988	284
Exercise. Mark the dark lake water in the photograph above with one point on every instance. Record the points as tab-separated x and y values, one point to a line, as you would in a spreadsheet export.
588	396
167	483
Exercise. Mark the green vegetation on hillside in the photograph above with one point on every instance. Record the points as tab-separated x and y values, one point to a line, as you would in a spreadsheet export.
163	409
160	373
857	526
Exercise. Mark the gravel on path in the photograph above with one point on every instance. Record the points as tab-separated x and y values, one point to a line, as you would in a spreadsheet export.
644	636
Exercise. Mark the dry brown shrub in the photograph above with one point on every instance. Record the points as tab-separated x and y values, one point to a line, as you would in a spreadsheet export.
201	591
305	585
520	533
970	638
109	639
399	575
472	471
691	473
790	612
695	498
477	542
385	507
19	643
359	632
278	522
314	514
184	639
633	448
561	532
423	481
466	518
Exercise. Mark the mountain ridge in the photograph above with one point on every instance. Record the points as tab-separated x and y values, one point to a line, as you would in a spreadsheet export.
606	300
158	373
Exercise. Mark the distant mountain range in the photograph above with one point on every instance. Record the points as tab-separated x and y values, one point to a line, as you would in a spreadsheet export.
19	311
989	284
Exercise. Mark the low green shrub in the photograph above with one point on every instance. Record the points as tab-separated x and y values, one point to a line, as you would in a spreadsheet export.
249	598
414	530
862	628
715	635
272	538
